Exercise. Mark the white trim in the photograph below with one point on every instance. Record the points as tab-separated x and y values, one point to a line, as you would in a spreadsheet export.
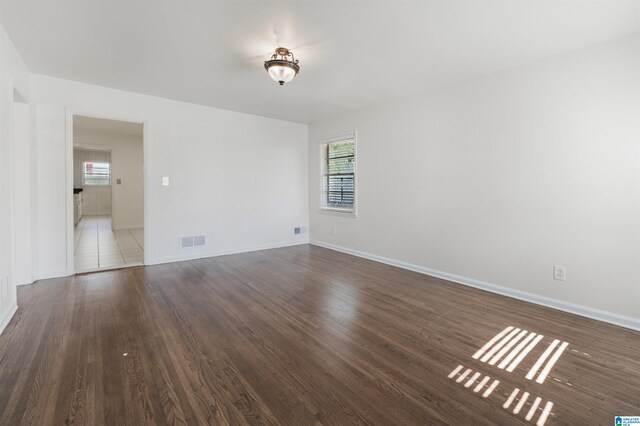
146	187
10	273
68	164
584	311
181	258
7	315
51	274
216	253
340	213
337	137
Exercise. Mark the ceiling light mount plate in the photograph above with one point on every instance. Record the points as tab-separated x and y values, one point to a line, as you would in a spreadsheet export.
282	51
283	66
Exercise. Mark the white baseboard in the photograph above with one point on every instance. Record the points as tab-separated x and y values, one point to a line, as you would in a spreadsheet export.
585	311
19	283
193	255
107	213
51	274
6	315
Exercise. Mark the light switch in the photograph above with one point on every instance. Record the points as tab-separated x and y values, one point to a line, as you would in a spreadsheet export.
165	180
118	181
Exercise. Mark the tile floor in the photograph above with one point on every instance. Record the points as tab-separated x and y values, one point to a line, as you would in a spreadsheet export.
98	247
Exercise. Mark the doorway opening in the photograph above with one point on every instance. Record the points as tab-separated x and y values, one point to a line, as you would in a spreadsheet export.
108	194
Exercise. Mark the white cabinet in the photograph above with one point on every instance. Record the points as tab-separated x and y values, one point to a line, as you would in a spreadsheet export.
77	208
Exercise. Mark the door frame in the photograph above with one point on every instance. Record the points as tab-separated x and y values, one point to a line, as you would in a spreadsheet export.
70	113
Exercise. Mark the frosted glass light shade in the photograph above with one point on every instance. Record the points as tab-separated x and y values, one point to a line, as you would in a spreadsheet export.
281	73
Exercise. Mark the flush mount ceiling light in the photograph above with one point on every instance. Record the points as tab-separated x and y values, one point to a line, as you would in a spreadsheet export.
282	66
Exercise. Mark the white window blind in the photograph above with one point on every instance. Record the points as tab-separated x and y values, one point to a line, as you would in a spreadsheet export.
339	175
96	174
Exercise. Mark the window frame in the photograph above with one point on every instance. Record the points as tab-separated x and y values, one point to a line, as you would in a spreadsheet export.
323	147
84	174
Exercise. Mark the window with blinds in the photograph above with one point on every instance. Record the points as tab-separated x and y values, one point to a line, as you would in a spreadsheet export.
96	174
339	176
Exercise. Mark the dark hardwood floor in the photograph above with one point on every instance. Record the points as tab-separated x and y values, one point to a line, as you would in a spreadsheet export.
302	335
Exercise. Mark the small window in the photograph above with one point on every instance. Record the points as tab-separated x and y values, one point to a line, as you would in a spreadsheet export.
339	175
96	174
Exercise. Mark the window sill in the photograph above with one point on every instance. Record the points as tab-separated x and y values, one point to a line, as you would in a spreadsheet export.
343	213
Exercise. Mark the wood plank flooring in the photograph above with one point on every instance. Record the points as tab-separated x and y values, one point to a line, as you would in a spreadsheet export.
296	336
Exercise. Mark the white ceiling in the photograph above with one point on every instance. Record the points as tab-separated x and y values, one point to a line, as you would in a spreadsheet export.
114	127
352	54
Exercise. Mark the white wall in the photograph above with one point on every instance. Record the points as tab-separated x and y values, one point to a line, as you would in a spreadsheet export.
13	76
126	157
22	217
96	200
50	258
241	180
497	180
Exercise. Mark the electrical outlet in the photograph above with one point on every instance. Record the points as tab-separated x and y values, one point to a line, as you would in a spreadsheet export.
559	273
165	180
333	230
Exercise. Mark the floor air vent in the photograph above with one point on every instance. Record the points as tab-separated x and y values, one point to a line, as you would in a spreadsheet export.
194	241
